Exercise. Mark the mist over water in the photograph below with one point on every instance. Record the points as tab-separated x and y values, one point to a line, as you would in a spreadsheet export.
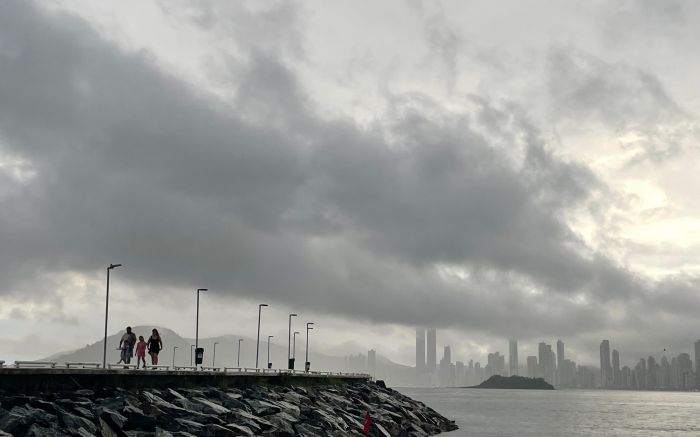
535	413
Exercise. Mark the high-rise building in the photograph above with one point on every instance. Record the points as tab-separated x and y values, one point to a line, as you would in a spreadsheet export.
616	375
372	362
560	364
560	354
685	372
420	351
446	375
697	364
542	357
432	351
513	358
605	368
547	362
460	374
532	366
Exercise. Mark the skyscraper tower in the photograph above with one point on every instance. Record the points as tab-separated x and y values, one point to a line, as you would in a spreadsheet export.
432	351
560	355
616	375
542	358
605	368
560	373
697	364
513	358
420	351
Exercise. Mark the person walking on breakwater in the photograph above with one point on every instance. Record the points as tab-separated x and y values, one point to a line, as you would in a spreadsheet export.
368	424
128	340
155	344
141	352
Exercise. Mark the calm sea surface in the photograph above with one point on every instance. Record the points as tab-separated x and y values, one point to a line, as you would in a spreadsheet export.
526	413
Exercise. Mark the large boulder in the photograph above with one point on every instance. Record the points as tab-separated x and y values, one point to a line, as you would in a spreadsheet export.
19	420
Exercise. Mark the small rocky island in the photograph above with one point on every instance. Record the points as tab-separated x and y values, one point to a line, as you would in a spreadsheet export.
515	382
260	409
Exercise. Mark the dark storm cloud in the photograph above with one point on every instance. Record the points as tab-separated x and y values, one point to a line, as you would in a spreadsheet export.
266	198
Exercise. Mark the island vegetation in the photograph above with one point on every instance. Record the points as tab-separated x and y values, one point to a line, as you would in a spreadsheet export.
515	382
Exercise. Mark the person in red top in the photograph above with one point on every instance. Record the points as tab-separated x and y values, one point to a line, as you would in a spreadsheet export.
368	424
141	352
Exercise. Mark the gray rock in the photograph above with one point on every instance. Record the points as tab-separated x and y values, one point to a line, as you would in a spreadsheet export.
106	430
243	416
135	419
211	407
189	426
18	420
220	431
240	429
262	408
85	393
308	430
72	421
40	431
114	419
281	426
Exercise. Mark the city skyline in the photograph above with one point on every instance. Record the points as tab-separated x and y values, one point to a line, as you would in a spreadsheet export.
644	373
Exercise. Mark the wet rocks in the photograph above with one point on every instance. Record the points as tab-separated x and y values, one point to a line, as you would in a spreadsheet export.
332	410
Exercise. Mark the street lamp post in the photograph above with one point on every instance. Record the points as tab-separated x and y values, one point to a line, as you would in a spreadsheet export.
191	354
307	365
290	365
104	349
257	345
239	352
213	360
269	364
174	347
294	344
196	329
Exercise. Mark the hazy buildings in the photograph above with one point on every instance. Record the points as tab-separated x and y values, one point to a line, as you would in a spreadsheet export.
513	358
447	369
547	362
605	368
697	364
372	362
560	363
616	376
496	364
431	362
420	351
532	366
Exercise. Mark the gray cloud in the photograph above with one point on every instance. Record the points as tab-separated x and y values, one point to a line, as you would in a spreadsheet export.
265	197
624	98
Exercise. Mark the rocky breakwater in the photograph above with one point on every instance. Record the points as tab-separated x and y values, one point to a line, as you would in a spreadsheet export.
319	410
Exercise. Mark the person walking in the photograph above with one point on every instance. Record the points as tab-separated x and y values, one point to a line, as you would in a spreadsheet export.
128	340
155	344
141	352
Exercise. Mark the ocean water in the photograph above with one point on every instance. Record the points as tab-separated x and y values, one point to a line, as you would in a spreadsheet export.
530	413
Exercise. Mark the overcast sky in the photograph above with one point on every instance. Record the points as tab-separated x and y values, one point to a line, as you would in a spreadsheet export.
494	169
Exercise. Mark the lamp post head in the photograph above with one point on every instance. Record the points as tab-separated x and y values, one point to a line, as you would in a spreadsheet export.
215	343
293	315
175	347
240	340
113	266
263	305
296	332
309	324
270	336
202	289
